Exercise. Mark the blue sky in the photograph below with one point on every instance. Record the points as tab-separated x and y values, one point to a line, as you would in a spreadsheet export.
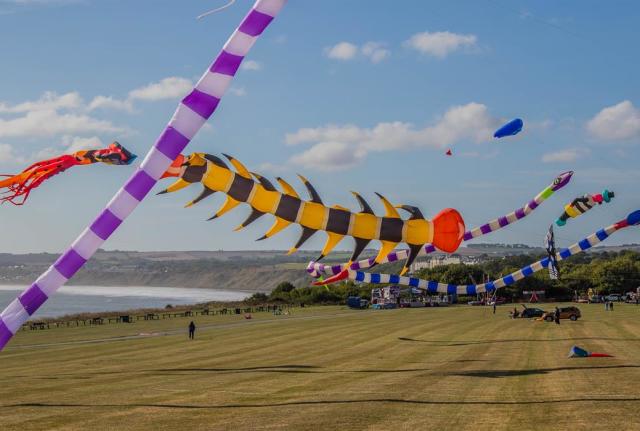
355	95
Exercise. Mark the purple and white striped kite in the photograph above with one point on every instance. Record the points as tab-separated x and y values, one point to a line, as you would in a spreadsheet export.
193	111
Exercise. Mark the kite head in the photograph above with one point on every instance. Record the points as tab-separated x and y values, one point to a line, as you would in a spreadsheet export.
633	219
115	154
175	169
561	180
448	230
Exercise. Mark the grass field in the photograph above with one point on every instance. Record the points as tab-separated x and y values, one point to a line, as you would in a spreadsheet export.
329	368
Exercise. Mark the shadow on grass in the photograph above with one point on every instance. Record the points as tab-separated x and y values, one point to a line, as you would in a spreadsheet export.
445	343
323	402
531	372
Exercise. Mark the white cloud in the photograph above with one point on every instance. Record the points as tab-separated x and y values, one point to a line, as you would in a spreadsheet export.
50	123
48	101
251	65
618	122
77	143
238	91
167	88
345	51
375	51
441	43
109	102
341	51
7	154
566	156
340	146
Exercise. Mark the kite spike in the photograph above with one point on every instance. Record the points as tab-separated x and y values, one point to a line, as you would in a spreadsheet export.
268	185
332	240
288	190
278	225
315	197
415	212
255	214
306	234
361	244
390	210
240	168
178	185
387	247
228	205
206	192
414	250
215	160
365	207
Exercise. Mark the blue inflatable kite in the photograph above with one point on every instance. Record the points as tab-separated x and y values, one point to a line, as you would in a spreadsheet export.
513	127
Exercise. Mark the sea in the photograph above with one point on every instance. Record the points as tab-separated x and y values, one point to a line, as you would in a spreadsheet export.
89	299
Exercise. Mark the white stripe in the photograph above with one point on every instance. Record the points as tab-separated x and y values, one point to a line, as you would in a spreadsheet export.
87	244
536	266
575	248
476	232
214	84
518	275
186	121
499	283
50	281
593	239
512	217
461	290
495	225
122	204
385	278
269	7
155	164
239	43
14	316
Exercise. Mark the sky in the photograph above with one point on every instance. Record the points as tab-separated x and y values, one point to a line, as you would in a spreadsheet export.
356	95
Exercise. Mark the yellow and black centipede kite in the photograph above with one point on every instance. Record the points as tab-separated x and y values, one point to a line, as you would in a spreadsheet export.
444	231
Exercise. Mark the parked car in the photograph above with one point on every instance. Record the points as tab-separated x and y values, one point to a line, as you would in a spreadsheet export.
595	299
528	313
614	297
572	313
475	302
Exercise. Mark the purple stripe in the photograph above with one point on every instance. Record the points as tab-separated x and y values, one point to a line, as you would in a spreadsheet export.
69	263
485	229
139	185
520	213
502	221
467	236
5	334
255	23
171	143
226	64
533	205
430	248
392	257
32	298
202	103
105	224
336	269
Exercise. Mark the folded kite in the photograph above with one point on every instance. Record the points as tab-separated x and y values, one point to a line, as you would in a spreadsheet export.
577	352
18	187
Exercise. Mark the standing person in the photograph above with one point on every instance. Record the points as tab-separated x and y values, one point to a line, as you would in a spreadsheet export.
606	305
192	330
556	316
494	306
611	306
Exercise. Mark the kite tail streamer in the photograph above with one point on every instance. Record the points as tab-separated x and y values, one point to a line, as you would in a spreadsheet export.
191	114
316	269
433	287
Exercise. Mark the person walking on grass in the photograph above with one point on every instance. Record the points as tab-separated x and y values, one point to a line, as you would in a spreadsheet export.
611	306
556	316
192	330
494	306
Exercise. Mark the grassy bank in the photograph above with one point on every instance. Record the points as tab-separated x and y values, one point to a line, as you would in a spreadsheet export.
328	368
